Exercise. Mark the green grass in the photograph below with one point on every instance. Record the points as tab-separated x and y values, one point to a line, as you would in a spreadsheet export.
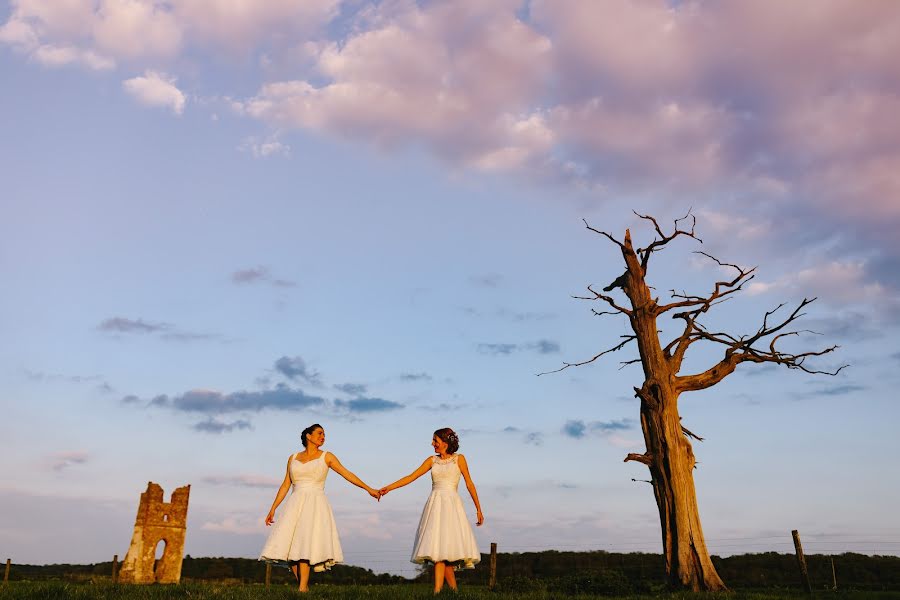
26	590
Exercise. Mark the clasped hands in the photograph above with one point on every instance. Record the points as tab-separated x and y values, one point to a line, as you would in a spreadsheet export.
377	494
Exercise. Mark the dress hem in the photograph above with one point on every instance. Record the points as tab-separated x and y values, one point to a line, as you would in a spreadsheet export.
318	567
461	563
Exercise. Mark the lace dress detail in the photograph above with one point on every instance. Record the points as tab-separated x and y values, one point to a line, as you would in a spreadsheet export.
305	528
444	532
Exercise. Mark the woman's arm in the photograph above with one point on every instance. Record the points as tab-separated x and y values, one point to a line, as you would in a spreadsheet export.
332	461
282	492
423	468
470	485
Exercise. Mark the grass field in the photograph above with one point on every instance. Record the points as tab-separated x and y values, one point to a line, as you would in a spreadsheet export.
25	590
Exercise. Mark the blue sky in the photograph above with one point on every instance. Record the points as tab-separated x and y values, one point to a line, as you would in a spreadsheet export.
216	231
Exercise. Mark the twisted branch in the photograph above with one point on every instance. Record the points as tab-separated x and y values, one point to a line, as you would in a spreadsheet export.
566	365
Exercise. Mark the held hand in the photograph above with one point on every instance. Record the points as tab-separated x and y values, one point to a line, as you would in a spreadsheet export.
270	518
374	493
480	518
383	491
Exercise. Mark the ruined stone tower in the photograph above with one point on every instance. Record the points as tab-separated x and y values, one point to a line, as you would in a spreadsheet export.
156	522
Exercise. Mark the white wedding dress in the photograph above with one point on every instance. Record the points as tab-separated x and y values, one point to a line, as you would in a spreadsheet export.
444	532
305	529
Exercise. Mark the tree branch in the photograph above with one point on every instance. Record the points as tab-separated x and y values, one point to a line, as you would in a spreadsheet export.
742	349
687	432
646	459
658	244
628	338
608	299
603	233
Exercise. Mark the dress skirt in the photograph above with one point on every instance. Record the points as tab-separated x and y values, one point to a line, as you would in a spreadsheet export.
444	533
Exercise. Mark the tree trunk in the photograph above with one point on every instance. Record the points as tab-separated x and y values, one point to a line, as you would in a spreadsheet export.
669	454
688	565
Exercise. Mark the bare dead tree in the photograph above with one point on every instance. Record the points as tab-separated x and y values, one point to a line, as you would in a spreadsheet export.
669	454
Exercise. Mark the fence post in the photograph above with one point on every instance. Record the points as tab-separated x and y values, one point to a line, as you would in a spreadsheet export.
801	561
833	576
6	572
115	568
268	573
492	580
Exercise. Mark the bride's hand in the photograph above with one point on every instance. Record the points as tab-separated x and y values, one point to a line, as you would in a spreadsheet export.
270	518
374	493
383	491
480	518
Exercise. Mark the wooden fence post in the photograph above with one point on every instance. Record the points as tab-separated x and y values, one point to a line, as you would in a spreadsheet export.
6	573
833	576
268	573
492	580
115	569
801	561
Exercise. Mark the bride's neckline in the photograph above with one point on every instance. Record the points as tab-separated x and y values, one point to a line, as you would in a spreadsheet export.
297	458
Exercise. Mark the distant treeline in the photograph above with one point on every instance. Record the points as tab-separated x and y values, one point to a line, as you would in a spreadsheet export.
637	572
565	571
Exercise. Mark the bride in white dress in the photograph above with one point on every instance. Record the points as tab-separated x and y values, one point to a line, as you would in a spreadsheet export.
305	535
444	536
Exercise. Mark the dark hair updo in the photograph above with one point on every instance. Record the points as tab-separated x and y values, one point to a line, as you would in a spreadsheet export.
308	431
449	437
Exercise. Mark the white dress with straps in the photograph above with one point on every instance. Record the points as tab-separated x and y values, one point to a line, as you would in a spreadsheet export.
305	529
444	532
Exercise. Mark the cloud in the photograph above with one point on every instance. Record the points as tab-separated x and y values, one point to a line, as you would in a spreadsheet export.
422	376
535	438
63	460
146	31
540	346
353	389
545	347
250	481
489	280
507	314
156	90
574	429
455	76
233	525
216	403
294	368
496	349
757	370
444	407
166	331
756	103
367	405
39	376
58	56
842	389
216	426
259	275
123	325
265	147
579	429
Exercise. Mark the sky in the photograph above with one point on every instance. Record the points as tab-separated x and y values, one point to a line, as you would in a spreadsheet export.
221	222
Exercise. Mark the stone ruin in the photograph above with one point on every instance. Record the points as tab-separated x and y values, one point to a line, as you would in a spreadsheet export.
157	522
